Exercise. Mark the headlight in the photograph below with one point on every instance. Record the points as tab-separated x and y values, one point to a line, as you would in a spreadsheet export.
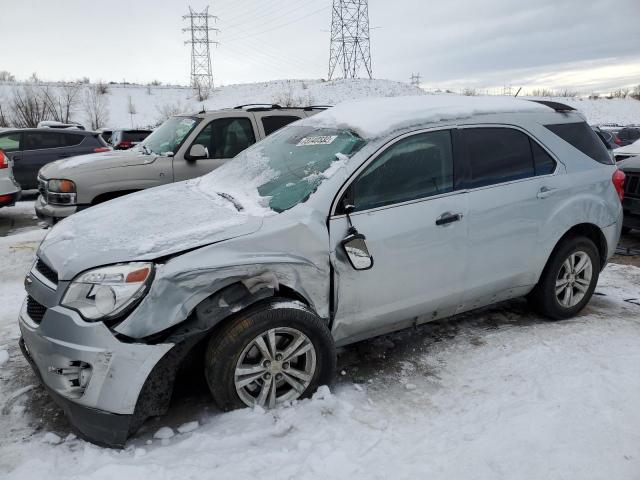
108	292
61	192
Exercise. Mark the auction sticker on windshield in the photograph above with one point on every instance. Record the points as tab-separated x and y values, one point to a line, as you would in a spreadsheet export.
317	140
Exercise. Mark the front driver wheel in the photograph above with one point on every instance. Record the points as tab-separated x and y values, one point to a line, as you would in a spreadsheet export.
275	352
569	279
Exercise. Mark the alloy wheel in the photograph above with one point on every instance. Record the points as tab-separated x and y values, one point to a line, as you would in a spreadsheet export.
574	279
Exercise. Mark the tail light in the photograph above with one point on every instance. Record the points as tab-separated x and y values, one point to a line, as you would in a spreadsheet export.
101	149
124	144
4	161
618	183
617	140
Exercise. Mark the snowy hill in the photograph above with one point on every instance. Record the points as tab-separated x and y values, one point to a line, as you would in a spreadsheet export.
154	103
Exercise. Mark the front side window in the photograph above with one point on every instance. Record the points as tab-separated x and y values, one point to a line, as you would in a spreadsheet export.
168	137
10	142
416	167
497	155
226	137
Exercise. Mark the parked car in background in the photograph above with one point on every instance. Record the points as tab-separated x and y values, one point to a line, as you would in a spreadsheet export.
106	133
631	202
183	147
126	139
368	218
628	135
628	151
608	137
32	148
9	188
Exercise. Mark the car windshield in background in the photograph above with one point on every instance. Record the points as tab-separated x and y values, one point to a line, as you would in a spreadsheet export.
286	167
169	136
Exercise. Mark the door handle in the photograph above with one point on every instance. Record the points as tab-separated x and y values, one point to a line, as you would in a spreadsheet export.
447	218
545	192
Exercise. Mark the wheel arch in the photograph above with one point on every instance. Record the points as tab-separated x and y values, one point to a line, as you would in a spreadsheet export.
105	197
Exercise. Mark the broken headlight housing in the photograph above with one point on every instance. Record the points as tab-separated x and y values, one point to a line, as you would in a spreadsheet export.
106	293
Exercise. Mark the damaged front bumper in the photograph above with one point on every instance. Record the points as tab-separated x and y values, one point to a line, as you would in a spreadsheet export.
106	387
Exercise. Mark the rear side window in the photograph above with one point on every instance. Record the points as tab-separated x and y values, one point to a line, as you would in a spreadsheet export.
135	136
276	122
10	142
543	163
497	155
71	140
43	140
582	137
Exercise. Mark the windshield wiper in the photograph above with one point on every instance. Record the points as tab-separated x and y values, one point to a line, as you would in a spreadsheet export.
228	197
146	150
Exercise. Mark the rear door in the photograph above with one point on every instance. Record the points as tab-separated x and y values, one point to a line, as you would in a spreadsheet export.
224	138
507	178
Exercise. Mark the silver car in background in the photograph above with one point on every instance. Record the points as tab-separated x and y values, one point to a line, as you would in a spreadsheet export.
9	188
370	217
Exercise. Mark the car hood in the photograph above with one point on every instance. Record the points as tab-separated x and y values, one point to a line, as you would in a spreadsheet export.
633	148
146	225
95	161
631	164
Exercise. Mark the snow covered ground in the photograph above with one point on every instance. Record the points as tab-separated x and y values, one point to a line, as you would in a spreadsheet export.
152	102
489	395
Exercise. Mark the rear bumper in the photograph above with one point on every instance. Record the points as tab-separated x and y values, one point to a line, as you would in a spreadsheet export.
9	192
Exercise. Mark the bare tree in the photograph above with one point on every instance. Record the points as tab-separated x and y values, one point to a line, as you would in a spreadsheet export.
95	107
636	92
63	101
170	109
6	76
28	107
4	118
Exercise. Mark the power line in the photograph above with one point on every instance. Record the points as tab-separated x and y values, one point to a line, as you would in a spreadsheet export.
201	72
350	41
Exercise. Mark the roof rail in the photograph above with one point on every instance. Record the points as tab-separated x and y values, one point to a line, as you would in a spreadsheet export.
558	107
317	107
253	107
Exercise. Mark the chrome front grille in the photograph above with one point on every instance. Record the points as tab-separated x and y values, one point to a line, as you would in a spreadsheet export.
46	271
42	187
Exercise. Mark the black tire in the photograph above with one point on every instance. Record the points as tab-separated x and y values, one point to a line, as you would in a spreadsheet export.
626	230
543	298
227	344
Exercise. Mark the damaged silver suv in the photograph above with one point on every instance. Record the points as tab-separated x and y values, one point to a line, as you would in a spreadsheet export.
370	217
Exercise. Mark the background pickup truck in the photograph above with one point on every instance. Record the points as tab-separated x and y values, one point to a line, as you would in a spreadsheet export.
183	147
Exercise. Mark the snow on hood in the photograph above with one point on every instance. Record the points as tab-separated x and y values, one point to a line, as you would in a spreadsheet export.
375	117
100	161
144	226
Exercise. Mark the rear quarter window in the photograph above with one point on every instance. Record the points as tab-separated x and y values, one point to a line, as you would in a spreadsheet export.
581	136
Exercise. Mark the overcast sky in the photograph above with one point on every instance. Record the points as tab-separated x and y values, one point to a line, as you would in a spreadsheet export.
586	45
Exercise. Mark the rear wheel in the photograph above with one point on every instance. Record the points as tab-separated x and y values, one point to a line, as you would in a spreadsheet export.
276	352
568	280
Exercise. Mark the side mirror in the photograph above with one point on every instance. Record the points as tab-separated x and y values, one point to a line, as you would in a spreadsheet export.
198	151
357	252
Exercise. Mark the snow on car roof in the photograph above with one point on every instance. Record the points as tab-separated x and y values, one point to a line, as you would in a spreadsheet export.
375	117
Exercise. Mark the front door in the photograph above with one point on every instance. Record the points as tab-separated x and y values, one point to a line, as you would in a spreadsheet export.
414	220
223	139
39	149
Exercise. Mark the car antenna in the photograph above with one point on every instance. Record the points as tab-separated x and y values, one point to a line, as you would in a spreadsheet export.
203	110
517	92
